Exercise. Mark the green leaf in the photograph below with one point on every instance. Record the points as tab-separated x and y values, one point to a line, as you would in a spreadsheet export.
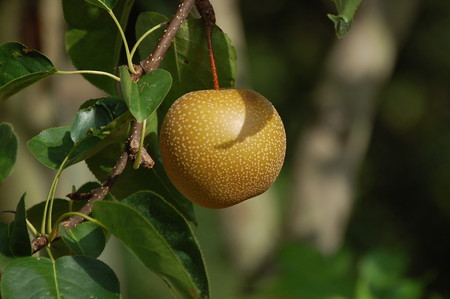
133	180
93	41
52	146
19	240
187	59
96	116
103	3
5	253
144	96
8	150
86	239
70	277
160	238
21	67
343	20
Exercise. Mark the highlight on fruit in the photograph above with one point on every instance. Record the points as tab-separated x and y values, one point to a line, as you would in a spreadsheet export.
221	147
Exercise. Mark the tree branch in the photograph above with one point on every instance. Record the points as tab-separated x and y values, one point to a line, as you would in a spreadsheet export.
153	61
147	65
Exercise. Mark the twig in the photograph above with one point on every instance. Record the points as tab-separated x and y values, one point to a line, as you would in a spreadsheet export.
133	146
79	196
95	195
153	61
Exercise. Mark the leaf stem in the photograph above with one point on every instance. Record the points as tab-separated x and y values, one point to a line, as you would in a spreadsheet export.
124	39
147	33
32	228
91	72
48	209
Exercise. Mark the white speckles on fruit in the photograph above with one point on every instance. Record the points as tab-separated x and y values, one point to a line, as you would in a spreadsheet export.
221	147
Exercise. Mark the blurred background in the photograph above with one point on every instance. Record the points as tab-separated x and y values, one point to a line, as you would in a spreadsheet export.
362	206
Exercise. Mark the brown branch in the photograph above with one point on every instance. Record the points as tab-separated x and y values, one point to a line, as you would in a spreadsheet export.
153	61
79	196
147	65
133	146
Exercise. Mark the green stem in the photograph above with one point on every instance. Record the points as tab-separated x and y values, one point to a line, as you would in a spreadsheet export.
48	209
32	228
89	72
69	214
50	255
147	33
124	39
137	161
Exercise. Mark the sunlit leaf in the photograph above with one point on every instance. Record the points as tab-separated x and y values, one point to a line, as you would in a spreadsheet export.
92	39
343	20
187	58
21	67
51	147
70	277
8	150
145	95
160	238
19	240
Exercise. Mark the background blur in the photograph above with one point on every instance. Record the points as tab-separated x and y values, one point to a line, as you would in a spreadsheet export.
362	206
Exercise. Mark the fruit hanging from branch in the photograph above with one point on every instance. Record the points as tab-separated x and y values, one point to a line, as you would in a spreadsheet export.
221	147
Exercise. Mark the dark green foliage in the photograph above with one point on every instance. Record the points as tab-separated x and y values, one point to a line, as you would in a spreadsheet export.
160	238
95	116
68	277
92	39
19	242
86	239
8	150
21	67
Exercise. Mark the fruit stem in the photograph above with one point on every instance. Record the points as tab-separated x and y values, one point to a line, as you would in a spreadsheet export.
124	40
212	60
206	11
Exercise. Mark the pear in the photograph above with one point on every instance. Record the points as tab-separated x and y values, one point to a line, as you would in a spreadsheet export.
221	147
